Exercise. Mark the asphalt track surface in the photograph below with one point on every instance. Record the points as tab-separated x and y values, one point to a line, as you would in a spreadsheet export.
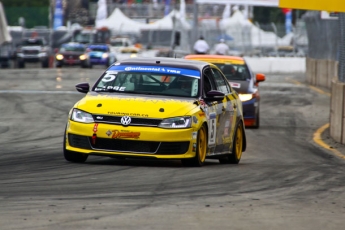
285	180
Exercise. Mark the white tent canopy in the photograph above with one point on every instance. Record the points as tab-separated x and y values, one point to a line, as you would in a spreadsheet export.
237	25
4	33
120	23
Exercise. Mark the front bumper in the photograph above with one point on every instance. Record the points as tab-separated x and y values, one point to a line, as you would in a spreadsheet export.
136	141
69	61
250	111
96	61
32	57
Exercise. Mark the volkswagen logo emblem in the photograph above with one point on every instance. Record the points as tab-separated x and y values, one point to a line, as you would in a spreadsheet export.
125	120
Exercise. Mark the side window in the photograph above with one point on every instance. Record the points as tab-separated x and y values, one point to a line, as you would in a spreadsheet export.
221	82
208	83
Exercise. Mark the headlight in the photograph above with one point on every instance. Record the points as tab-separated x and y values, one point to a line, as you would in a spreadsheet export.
176	123
245	97
59	57
82	57
80	116
105	55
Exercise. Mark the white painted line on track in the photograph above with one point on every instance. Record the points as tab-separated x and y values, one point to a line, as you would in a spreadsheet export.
37	92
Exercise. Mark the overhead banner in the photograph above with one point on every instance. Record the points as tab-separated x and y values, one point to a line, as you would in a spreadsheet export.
329	5
58	14
271	3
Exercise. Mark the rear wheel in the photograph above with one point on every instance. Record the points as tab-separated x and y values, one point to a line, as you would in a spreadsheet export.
73	156
237	145
201	149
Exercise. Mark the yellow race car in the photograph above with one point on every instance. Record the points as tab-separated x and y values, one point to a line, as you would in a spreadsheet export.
157	108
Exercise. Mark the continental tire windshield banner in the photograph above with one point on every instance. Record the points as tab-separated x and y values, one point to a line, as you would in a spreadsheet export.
156	69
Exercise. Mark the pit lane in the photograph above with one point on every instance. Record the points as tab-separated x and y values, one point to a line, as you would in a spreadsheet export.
284	180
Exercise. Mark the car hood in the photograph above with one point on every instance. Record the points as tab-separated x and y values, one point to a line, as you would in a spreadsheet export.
72	53
134	105
31	47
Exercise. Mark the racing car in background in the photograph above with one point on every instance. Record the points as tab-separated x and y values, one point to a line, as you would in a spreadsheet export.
157	108
71	54
100	54
243	80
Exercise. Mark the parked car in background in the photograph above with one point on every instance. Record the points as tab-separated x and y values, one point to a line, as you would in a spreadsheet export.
100	54
71	54
243	80
33	49
7	54
124	45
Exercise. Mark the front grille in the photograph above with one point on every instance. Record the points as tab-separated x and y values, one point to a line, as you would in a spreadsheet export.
173	147
126	145
30	51
78	141
152	147
134	121
71	56
95	57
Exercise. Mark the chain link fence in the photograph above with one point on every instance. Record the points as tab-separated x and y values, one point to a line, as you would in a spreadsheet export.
323	37
244	38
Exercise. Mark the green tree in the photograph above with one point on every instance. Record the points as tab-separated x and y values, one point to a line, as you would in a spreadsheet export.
35	12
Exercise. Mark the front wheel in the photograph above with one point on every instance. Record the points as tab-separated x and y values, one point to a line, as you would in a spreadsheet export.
257	121
21	64
45	63
237	145
201	149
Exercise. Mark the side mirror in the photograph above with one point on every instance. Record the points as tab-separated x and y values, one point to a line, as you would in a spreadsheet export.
260	77
214	95
83	87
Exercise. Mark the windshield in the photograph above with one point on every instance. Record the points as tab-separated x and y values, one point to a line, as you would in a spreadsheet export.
33	42
72	48
83	38
234	71
98	48
116	43
147	82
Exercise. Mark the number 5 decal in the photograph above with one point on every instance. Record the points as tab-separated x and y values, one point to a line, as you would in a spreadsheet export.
212	123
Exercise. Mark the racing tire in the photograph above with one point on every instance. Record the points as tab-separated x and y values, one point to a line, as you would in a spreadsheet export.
73	156
45	63
58	65
237	145
201	148
21	64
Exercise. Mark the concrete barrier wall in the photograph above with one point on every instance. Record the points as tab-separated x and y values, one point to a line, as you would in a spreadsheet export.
324	73
337	113
321	72
277	65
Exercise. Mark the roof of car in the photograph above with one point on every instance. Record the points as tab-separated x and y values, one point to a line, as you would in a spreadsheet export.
98	44
210	56
164	61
